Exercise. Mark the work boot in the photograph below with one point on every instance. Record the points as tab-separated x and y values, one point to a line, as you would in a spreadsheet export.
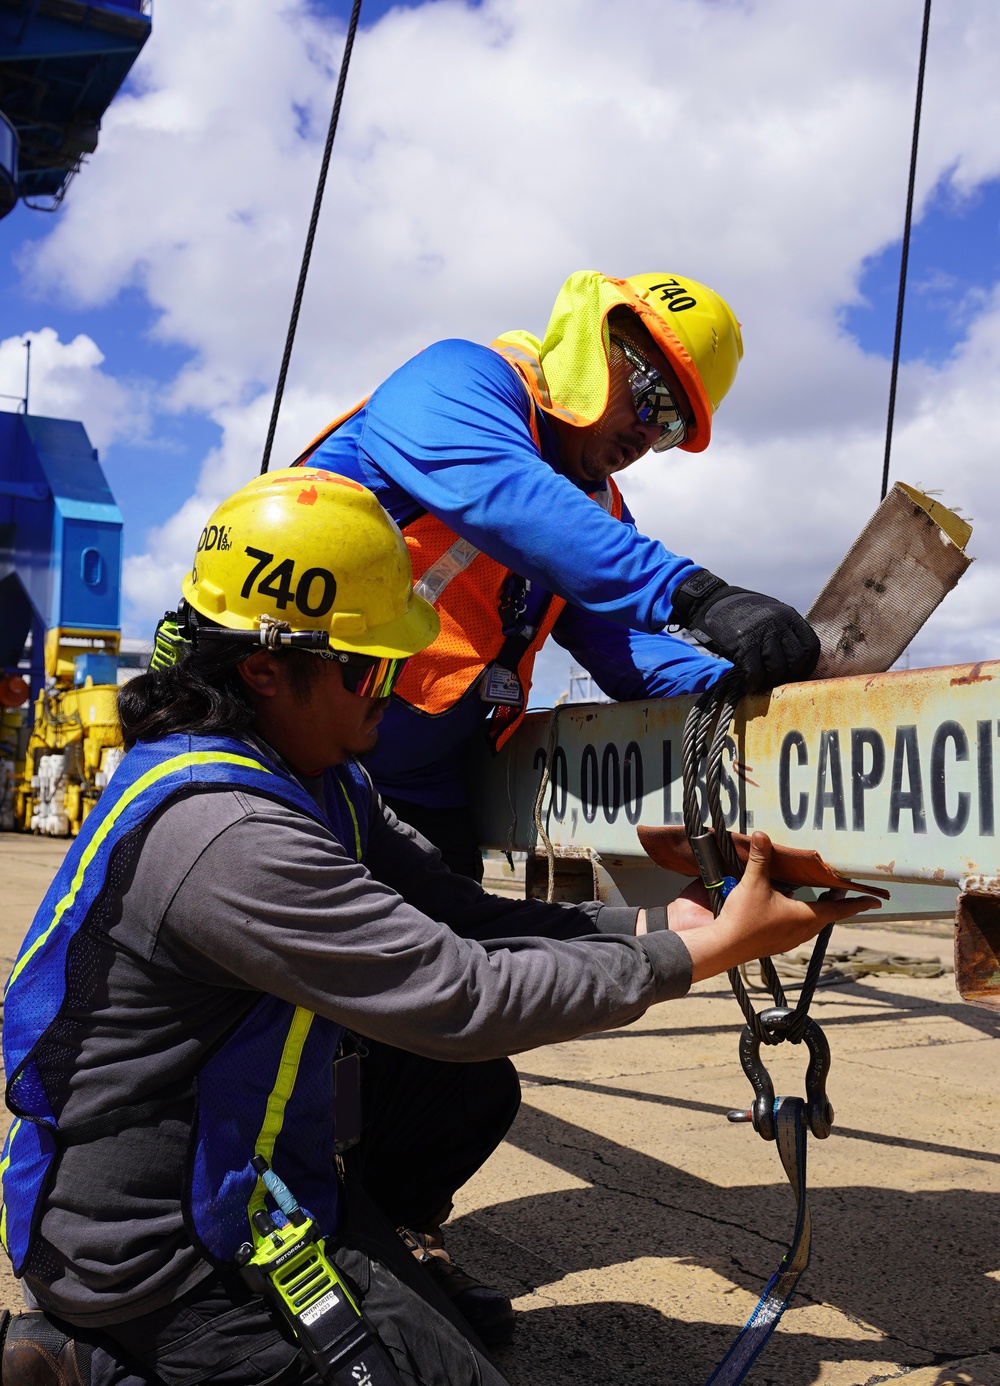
37	1353
487	1310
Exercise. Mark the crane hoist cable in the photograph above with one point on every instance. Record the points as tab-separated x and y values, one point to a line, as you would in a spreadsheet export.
905	256
784	1120
293	323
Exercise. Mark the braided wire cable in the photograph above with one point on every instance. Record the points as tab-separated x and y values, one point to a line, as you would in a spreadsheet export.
690	756
704	738
904	258
797	1024
729	691
300	287
704	713
713	778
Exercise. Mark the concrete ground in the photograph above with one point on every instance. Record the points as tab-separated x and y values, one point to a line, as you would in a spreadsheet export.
635	1228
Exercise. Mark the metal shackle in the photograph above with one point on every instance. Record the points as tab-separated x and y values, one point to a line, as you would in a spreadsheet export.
819	1111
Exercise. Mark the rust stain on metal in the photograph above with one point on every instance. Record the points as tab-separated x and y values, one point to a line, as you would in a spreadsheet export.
981	885
888	867
977	949
975	675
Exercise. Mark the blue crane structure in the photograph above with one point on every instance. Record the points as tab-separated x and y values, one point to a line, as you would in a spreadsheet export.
61	63
60	550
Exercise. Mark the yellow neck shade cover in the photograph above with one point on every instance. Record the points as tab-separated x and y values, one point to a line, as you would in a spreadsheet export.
692	325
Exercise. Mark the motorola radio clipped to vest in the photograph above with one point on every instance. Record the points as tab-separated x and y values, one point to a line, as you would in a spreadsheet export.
290	1268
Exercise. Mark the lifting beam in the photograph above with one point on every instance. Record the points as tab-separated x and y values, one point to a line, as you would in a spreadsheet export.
890	777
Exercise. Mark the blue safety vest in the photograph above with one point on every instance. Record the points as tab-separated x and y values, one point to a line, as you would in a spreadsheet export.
268	1089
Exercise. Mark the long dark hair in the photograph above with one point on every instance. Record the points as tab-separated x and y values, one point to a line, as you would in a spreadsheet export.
201	695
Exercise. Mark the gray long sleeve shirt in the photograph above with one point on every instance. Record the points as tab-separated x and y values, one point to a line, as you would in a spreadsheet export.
226	895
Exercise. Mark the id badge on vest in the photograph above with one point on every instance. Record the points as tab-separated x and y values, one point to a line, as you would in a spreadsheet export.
500	685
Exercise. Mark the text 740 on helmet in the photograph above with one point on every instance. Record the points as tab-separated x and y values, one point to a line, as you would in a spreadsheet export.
315	552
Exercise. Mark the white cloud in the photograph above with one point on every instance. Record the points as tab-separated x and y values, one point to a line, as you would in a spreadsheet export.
486	152
66	381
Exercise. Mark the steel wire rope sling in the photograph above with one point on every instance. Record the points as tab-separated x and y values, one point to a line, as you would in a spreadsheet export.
785	1120
300	287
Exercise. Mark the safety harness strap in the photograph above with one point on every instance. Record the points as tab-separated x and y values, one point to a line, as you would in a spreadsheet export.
790	1129
513	650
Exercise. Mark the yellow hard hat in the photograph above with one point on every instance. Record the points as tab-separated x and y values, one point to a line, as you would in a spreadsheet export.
701	339
317	551
692	325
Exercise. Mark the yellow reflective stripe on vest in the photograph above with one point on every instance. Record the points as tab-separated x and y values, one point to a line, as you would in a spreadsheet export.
151	776
288	1066
284	1085
3	1170
354	820
529	366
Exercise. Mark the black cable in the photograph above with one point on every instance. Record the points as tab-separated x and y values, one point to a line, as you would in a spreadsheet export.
345	63
904	259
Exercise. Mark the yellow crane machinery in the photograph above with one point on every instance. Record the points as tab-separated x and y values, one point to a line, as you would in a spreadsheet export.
74	744
60	582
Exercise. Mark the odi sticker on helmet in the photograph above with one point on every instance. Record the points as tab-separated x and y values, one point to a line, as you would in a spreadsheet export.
313	591
215	537
675	295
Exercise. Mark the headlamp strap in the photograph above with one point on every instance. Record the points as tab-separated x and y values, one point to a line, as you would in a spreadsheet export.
178	633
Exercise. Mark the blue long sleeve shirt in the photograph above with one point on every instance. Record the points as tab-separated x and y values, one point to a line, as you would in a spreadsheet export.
450	433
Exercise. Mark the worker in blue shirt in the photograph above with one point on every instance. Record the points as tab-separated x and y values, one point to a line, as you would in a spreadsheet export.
497	464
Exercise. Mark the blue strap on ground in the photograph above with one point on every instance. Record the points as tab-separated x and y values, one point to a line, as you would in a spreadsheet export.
790	1136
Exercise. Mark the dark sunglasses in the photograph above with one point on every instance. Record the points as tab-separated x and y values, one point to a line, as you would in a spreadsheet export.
652	397
366	676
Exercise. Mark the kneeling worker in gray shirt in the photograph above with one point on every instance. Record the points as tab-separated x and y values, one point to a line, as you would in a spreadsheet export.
240	939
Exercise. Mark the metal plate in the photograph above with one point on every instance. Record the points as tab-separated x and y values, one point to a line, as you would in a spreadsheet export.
893	576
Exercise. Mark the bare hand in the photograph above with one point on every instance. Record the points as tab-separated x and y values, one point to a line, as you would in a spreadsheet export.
757	921
691	910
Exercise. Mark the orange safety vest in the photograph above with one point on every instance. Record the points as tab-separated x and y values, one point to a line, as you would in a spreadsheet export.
464	586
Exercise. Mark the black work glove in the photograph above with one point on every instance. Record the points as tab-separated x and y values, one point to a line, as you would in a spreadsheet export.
767	641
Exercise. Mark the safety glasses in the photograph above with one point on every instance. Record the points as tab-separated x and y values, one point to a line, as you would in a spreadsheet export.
365	675
652	398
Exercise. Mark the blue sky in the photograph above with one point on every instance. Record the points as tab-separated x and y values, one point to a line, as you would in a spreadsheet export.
463	189
954	260
123	330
